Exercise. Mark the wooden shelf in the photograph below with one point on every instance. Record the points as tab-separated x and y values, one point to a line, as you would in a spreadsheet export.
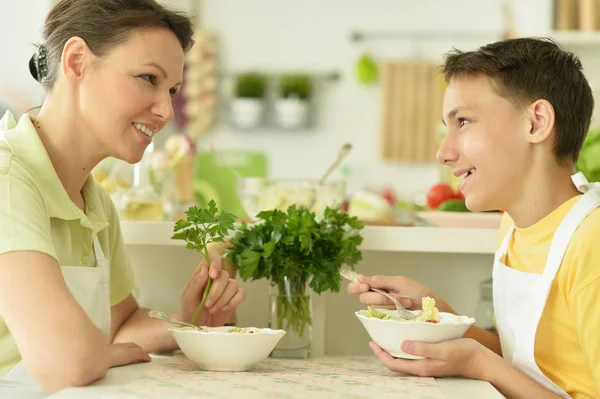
576	38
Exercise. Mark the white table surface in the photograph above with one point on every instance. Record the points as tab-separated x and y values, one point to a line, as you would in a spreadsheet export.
324	377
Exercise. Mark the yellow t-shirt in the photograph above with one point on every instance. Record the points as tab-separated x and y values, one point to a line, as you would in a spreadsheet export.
36	214
567	343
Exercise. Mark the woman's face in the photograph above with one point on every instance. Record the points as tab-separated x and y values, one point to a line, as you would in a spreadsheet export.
125	97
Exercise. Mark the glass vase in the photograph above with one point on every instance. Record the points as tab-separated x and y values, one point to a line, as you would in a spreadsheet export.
291	310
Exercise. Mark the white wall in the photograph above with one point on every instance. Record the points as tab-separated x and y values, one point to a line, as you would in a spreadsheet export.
21	25
314	35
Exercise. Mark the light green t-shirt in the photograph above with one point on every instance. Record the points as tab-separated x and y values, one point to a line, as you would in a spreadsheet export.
36	214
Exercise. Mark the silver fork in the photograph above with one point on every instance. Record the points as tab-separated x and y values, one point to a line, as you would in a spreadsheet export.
402	312
155	314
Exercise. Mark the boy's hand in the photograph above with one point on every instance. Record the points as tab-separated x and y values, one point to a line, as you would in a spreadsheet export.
407	291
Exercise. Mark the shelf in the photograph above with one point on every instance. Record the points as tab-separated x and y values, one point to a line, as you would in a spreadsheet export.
576	38
376	238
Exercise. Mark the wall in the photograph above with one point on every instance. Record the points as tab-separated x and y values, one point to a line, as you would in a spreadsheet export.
21	26
314	35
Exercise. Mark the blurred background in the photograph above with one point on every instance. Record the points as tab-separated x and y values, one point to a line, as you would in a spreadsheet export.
274	89
275	92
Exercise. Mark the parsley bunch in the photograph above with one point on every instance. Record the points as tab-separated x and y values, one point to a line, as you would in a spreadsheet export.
201	227
294	249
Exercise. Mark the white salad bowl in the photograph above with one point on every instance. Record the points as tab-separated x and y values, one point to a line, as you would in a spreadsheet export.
217	349
390	334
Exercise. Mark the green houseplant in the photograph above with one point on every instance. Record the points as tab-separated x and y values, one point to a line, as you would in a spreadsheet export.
247	105
296	86
295	93
589	157
297	252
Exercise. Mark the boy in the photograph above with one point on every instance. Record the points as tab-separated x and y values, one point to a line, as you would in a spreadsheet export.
517	113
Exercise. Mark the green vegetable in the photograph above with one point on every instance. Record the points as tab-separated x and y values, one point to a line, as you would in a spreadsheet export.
294	249
377	314
589	157
202	227
453	205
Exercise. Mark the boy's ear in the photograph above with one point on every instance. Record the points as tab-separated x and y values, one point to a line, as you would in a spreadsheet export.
541	115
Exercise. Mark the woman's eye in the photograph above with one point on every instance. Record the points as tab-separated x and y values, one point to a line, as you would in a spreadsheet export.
149	78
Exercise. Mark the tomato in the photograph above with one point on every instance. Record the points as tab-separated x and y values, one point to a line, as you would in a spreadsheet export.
389	196
438	194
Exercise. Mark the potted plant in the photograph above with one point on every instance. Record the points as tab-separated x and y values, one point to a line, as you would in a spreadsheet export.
299	254
295	92
248	103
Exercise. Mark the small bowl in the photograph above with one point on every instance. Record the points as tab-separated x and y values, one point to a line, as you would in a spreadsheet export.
260	194
218	350
390	334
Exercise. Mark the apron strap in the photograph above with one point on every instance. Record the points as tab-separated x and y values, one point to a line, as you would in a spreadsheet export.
582	183
100	258
503	249
560	241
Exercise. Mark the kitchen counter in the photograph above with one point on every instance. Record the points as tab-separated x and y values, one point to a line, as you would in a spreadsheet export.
326	377
376	238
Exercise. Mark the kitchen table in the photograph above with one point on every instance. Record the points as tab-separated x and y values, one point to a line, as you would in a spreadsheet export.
175	377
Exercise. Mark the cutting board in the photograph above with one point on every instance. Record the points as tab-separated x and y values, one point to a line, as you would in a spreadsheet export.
411	98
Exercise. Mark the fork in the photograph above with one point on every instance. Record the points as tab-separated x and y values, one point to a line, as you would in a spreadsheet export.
155	314
403	313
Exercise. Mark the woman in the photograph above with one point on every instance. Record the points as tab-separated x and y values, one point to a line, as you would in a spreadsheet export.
67	315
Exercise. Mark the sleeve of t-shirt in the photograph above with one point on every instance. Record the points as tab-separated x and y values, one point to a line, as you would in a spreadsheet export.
24	220
585	308
583	256
121	274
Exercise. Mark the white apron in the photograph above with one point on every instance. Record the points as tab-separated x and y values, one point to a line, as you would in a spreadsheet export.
90	286
520	297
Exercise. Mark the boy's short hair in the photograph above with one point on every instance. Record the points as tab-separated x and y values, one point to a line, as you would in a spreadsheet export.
524	70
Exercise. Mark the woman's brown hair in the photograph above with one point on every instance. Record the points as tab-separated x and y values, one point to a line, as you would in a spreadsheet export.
103	24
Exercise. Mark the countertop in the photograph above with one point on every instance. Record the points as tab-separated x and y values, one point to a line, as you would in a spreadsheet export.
348	377
375	238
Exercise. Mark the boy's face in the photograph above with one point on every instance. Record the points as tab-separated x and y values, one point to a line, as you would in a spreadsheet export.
485	143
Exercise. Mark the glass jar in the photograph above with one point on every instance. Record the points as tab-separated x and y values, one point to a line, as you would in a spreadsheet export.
142	202
290	303
484	313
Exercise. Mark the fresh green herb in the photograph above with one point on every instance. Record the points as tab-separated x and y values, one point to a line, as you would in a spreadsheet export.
202	227
294	249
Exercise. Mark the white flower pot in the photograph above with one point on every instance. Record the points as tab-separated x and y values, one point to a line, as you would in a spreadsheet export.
291	113
247	113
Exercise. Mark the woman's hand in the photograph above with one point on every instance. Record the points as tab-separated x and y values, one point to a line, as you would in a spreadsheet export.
126	353
462	357
224	295
405	290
